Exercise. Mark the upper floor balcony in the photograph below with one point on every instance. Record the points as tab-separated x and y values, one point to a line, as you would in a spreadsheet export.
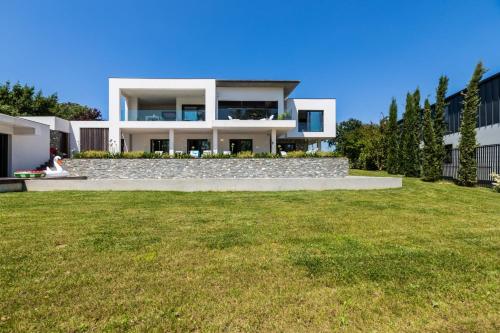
250	110
186	113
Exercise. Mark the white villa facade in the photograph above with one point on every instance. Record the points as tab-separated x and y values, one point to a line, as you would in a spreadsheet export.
181	115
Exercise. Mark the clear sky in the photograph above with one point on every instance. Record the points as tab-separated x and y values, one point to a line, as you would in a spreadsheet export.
360	52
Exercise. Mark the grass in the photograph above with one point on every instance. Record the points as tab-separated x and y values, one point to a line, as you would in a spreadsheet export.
421	258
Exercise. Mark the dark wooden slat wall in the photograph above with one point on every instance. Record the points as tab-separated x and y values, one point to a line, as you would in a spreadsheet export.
94	139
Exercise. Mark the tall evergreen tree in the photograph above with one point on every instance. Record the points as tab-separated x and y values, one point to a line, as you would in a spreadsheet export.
467	169
439	121
411	136
392	139
430	167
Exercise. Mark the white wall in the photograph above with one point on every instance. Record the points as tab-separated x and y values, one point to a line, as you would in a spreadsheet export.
252	94
327	105
29	151
55	123
487	135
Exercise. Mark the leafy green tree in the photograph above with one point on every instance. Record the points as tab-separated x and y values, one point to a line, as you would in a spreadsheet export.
467	169
439	125
346	141
371	143
410	166
19	100
430	160
392	135
74	111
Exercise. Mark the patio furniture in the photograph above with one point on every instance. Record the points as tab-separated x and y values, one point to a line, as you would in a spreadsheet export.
194	153
283	153
226	152
207	152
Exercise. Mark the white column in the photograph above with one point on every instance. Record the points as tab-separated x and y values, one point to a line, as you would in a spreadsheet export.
273	141
171	146
215	141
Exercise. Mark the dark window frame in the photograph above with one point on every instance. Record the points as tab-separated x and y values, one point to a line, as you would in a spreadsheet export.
306	126
152	143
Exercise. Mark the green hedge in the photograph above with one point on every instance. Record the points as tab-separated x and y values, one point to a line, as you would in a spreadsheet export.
98	154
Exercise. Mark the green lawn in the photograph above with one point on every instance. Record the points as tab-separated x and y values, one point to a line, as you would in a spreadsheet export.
422	258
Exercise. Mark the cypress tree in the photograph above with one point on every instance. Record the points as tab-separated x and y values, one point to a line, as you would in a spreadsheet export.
467	168
439	122
411	136
430	169
392	139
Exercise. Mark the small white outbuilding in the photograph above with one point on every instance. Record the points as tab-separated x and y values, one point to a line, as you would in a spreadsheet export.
24	144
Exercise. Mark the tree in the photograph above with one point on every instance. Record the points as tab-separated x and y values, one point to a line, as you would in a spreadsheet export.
346	141
431	170
19	100
467	168
392	163
439	121
371	144
74	111
410	166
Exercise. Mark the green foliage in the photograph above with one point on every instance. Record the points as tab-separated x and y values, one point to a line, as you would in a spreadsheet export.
439	124
218	155
410	162
74	111
392	135
431	163
19	100
284	116
266	155
347	140
93	154
244	154
296	154
372	141
467	145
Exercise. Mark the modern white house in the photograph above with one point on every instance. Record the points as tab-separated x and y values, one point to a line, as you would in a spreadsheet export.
177	116
205	115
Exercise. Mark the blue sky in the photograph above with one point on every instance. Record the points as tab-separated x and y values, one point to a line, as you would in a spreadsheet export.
360	52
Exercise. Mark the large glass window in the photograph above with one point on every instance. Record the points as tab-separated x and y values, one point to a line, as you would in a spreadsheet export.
248	110
239	145
159	145
193	112
310	121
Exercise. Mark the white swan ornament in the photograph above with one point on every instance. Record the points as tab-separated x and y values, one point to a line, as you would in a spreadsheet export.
59	171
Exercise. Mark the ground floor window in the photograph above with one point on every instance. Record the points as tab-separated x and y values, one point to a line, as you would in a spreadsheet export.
198	145
159	145
287	146
239	145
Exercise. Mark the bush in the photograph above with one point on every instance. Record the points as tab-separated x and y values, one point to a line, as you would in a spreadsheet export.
244	154
496	182
132	154
295	154
93	154
218	155
266	155
179	155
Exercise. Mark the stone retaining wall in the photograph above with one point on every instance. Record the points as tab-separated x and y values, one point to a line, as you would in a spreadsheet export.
207	168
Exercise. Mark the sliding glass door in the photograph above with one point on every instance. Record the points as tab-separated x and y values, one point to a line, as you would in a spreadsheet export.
239	145
159	145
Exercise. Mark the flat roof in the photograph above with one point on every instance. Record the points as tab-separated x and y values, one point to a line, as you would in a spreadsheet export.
287	85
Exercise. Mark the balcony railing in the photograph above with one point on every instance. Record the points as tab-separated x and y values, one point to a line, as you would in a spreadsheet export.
166	115
251	114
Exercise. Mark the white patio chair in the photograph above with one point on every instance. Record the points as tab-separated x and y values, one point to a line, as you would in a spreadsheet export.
229	117
226	152
272	117
283	153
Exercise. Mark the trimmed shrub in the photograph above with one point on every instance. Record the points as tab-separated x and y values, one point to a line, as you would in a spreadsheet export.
244	154
295	154
93	154
266	155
